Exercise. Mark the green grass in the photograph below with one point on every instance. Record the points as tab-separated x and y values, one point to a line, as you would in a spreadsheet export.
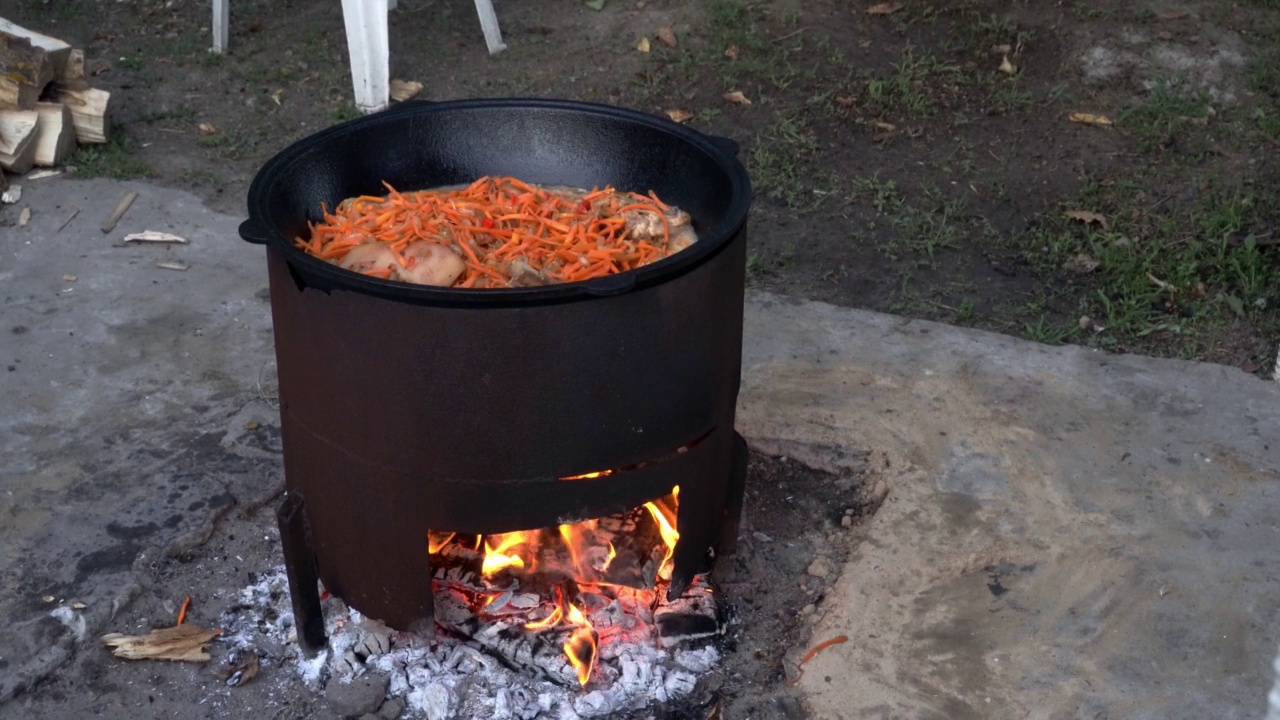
1182	268
1169	117
783	167
114	159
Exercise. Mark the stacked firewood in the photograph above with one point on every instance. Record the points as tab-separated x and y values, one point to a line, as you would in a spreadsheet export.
46	103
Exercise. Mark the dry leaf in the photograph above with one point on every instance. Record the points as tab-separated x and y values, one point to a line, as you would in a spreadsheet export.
1002	49
733	52
643	45
737	98
207	129
885	127
884	8
1173	14
65	278
1007	67
77	605
402	90
1090	119
1082	264
47	598
679	115
276	96
1088	217
184	642
251	425
667	36
845	101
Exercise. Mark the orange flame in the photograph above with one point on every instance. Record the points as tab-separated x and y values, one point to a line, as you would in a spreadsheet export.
580	648
666	518
609	560
437	540
495	558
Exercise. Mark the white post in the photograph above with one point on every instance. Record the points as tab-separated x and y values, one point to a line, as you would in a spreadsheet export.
221	24
367	44
489	23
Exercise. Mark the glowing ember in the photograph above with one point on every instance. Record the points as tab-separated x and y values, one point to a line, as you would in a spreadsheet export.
590	475
436	540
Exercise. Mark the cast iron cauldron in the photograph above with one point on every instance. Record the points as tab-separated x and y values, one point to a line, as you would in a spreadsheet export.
406	408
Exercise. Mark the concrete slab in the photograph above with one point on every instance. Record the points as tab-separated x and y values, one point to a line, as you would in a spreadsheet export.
1066	533
127	389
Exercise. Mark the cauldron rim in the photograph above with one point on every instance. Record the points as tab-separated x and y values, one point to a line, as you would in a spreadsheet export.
312	272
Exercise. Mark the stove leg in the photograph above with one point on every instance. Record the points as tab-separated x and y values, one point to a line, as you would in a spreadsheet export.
300	564
731	518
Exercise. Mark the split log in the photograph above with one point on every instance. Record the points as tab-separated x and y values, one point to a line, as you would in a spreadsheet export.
28	62
88	111
73	76
55	135
17	139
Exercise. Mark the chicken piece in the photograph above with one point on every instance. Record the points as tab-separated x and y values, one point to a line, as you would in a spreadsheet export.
368	257
647	225
431	264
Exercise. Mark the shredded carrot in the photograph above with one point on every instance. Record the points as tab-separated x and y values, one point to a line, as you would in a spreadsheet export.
823	646
501	227
182	611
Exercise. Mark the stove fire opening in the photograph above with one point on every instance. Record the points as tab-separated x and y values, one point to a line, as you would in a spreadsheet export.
563	603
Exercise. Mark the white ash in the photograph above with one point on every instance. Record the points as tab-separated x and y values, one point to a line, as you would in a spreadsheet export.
445	678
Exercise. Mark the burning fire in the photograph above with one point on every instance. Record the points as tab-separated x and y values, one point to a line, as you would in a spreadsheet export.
586	569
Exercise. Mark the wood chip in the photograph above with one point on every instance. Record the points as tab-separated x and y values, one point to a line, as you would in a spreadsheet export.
667	36
42	174
737	98
679	115
154	236
173	265
207	128
846	101
402	90
69	278
24	217
184	642
12	195
643	45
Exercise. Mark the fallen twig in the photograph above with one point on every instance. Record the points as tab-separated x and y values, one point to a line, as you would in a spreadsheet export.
70	217
121	207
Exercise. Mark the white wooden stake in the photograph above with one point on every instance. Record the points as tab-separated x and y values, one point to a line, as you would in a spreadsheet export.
367	44
489	23
221	24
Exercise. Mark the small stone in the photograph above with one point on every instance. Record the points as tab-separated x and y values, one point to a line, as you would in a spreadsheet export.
820	567
391	709
808	609
353	697
846	521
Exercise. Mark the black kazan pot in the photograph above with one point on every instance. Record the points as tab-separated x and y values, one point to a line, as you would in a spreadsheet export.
408	408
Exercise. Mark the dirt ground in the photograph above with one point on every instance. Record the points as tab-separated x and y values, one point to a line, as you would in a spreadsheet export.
897	166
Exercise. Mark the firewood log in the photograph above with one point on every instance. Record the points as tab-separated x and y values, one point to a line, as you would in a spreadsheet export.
17	139
88	111
28	62
55	135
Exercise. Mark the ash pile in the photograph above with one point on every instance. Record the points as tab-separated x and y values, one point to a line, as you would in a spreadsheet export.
568	622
